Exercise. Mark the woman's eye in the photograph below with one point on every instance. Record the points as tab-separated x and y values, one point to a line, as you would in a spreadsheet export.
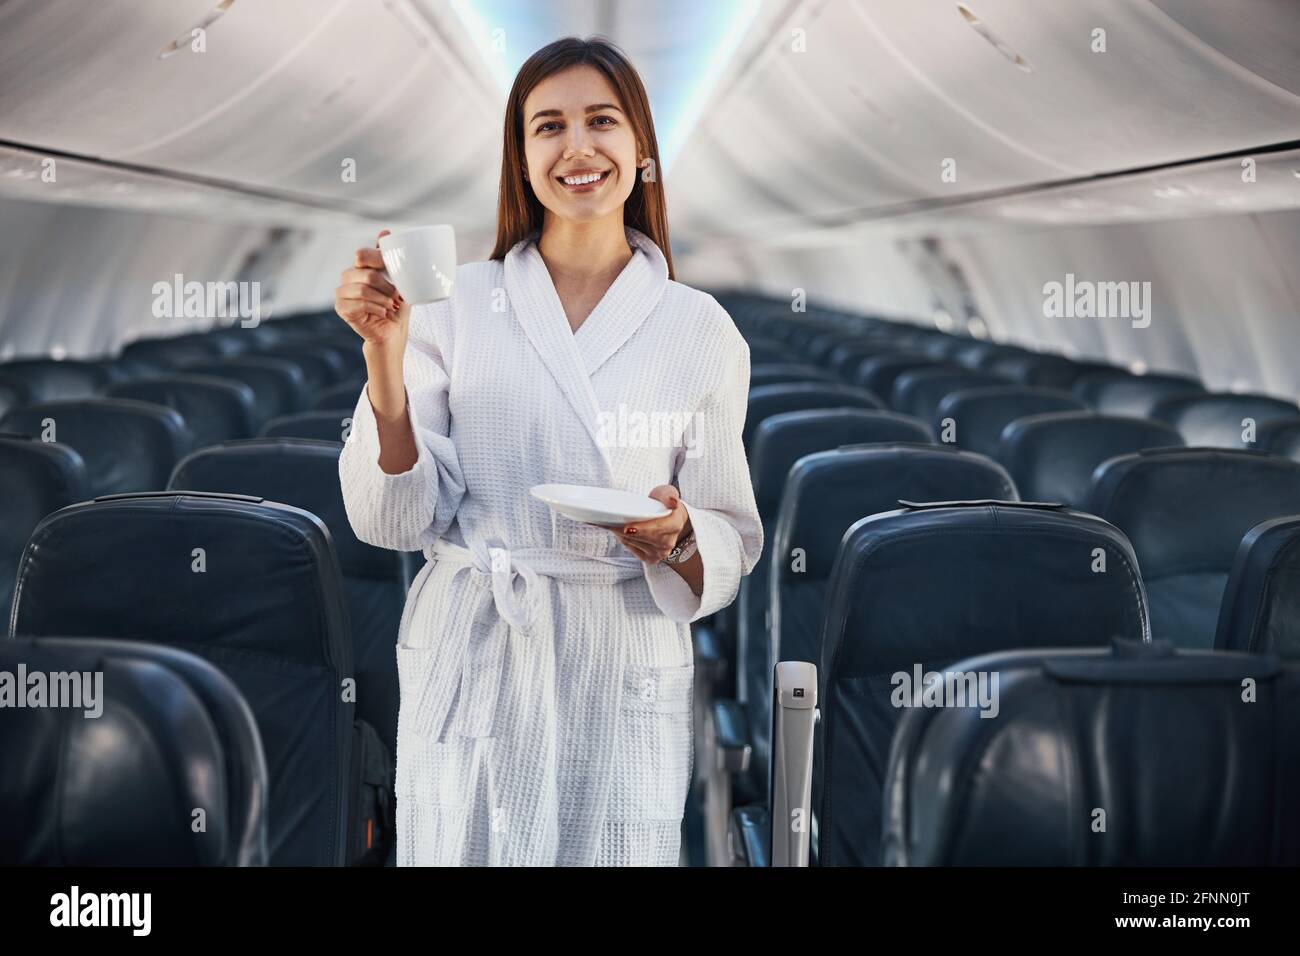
603	120
546	127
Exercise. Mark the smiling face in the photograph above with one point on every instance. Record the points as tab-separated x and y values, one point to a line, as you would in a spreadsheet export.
579	147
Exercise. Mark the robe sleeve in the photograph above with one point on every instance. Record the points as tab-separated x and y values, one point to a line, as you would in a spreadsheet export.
713	480
411	510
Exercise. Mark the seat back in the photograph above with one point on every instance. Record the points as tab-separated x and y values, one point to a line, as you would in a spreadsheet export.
1260	611
1052	456
13	392
914	591
918	392
49	380
788	373
1136	756
878	373
110	772
1044	371
176	351
979	415
1186	511
321	366
332	426
342	397
305	474
773	399
279	386
215	409
1280	437
1222	421
36	479
1133	395
251	586
126	445
825	494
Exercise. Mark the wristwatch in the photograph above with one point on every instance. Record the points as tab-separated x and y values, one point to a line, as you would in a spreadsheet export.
683	551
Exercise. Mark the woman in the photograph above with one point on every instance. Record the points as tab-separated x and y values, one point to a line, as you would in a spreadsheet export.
545	664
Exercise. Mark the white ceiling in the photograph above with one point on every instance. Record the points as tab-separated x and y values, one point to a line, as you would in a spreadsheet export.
852	125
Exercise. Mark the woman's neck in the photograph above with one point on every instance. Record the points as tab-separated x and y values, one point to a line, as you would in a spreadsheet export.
583	253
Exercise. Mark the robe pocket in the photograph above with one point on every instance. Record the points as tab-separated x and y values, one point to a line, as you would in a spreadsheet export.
437	774
652	752
416	699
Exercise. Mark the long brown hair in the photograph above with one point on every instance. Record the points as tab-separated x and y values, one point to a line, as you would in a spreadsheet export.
519	212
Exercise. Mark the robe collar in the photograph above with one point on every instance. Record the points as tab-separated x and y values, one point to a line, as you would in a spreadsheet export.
572	358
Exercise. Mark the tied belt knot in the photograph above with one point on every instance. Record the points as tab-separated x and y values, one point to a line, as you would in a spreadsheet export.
471	656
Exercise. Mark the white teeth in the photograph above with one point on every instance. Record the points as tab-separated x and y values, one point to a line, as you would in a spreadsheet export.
582	180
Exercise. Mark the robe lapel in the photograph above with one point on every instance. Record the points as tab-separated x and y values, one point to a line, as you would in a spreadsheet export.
573	358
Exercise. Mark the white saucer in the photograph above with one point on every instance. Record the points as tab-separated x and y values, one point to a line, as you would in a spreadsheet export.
605	506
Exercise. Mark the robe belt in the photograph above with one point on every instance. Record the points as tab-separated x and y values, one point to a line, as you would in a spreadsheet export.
479	644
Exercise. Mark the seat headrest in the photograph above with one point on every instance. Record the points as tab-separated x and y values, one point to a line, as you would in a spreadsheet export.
1281	437
1053	455
215	409
979	415
768	400
36	478
225	573
1186	510
828	491
331	426
36	474
279	385
878	373
150	733
1137	394
1048	371
782	439
49	380
939	583
1260	612
176	351
127	445
1222	421
297	472
918	391
788	373
1088	387
343	397
1101	758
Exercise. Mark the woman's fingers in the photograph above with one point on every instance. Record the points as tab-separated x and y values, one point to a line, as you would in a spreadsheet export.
358	308
368	257
637	547
357	290
371	277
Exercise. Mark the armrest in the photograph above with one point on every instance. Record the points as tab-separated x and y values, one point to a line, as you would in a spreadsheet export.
750	837
731	736
794	716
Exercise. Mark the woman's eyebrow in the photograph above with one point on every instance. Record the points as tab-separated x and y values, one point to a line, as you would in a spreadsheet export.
590	109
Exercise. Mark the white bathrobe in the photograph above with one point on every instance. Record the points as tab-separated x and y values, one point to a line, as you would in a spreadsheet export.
545	671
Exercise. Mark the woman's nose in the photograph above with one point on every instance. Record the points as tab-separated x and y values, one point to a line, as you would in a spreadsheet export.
579	142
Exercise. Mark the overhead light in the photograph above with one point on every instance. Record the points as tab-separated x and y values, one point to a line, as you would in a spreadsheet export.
182	41
1001	46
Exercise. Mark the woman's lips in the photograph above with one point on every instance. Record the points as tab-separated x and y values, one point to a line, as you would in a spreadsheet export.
585	187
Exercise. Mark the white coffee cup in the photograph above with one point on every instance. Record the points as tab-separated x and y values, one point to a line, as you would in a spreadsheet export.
421	262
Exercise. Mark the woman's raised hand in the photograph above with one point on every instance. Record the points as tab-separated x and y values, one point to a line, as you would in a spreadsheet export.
368	302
